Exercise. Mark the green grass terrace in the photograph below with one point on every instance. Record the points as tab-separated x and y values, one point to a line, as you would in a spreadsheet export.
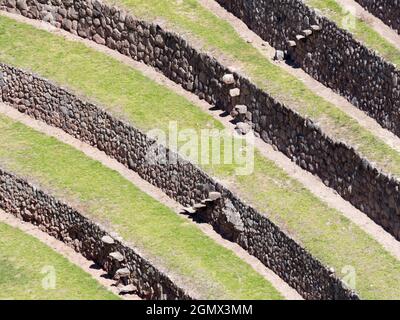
24	263
106	196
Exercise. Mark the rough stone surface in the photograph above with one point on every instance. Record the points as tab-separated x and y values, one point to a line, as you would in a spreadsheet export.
127	289
279	55
107	240
243	128
228	79
234	92
118	256
123	273
336	163
241	109
30	204
386	10
214	195
351	69
182	181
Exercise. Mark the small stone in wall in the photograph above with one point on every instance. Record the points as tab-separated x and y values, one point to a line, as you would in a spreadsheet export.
214	195
189	210
21	5
130	288
159	40
241	109
2	82
98	39
233	218
315	27
198	206
291	43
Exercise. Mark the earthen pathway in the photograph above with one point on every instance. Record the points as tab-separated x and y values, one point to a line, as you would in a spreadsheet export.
154	192
374	22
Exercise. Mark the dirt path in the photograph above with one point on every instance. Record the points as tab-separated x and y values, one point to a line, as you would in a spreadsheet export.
378	25
70	254
157	194
312	183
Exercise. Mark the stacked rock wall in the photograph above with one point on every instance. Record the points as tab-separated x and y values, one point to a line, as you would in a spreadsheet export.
386	10
26	202
331	55
181	181
337	164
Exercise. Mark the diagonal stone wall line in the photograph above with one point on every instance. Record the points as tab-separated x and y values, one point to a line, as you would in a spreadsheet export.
183	182
336	163
67	252
154	192
30	204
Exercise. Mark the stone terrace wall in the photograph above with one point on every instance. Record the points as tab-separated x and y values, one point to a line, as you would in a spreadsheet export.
386	10
338	165
30	204
182	181
331	55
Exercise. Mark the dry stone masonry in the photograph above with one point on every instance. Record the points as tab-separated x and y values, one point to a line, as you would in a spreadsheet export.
386	10
30	204
182	181
328	53
337	164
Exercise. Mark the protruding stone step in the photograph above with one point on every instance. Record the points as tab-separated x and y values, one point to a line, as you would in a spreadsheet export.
228	78
208	200
130	288
279	55
122	273
239	112
315	27
117	256
291	43
198	206
116	236
307	32
234	92
189	210
300	37
107	240
241	109
214	195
